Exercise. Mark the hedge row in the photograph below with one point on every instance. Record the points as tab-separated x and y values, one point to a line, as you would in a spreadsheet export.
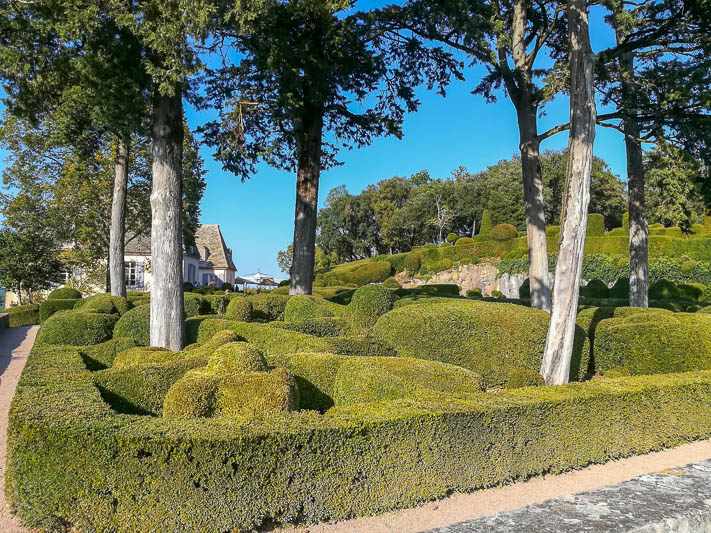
49	307
23	315
72	461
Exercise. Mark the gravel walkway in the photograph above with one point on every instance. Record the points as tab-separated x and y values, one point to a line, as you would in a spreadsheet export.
15	345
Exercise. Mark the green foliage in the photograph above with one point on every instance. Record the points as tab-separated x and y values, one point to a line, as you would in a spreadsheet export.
268	307
474	293
240	309
664	290
595	289
451	237
412	263
196	304
626	222
492	339
218	303
654	343
104	303
76	328
391	283
23	315
596	225
486	224
368	304
303	307
134	471
621	288
464	241
135	324
236	358
318	327
101	356
503	232
64	293
435	289
691	291
49	307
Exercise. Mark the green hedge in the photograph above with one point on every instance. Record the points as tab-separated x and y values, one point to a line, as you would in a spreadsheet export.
76	328
23	315
101	356
268	307
72	461
499	341
304	307
596	225
49	307
64	293
503	232
240	309
318	327
105	304
368	304
136	325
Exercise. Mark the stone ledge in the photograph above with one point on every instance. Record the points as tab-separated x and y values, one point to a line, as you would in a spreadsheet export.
674	500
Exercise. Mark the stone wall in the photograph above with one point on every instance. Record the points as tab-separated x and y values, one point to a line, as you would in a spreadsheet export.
482	275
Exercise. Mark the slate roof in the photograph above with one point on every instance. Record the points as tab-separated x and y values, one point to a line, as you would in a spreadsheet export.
142	246
212	247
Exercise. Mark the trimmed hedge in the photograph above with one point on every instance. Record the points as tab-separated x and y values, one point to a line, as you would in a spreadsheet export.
595	289
496	340
76	328
368	304
304	307
240	309
23	315
102	356
236	358
136	325
654	343
664	290
196	304
412	263
486	224
72	461
64	293
391	283
318	327
49	307
268	307
503	232
104	303
596	225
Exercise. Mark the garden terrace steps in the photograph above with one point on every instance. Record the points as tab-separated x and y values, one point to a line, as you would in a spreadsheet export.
15	345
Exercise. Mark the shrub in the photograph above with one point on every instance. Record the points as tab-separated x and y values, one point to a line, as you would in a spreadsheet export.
524	290
236	358
451	237
76	328
654	343
596	225
368	304
218	303
435	289
486	223
142	355
391	283
227	287
101	356
304	307
474	293
372	272
196	304
72	461
64	293
621	289
104	303
187	286
498	294
397	262
191	327
464	241
412	263
492	339
23	315
201	393
49	307
362	345
318	327
691	291
663	290
626	222
595	289
268	307
135	324
503	232
553	232
240	309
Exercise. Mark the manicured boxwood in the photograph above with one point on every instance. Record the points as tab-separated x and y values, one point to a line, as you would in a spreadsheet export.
464	241
64	293
441	289
76	328
503	232
412	263
135	324
664	290
595	289
72	461
319	327
486	223
305	307
268	307
196	304
368	304
101	356
495	340
240	309
23	315
104	303
654	343
391	283
596	225
49	307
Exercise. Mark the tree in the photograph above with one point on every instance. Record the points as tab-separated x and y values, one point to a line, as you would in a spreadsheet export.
307	69
555	367
286	257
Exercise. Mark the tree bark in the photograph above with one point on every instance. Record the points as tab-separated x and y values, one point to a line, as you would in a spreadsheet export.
639	233
117	274
555	367
309	140
167	315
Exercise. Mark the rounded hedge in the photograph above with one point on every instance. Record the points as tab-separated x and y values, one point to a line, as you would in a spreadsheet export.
664	290
412	263
76	328
237	358
240	309
23	315
142	355
596	225
391	283
464	241
495	340
369	303
452	237
503	232
64	293
105	303
49	307
621	289
595	288
135	324
196	304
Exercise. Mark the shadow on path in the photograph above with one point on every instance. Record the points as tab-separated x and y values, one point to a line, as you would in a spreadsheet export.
10	340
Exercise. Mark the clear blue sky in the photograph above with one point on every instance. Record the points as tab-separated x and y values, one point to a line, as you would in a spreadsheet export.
257	216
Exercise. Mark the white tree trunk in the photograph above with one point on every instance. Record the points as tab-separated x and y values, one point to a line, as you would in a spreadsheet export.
117	275
555	367
307	181
167	316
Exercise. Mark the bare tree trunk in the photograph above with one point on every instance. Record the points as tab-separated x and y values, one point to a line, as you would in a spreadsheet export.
555	367
307	178
639	236
117	275
167	316
473	228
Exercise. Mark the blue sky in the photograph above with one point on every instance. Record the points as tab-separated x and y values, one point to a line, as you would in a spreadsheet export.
257	216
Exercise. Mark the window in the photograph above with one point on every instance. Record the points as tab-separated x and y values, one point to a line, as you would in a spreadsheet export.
131	270
191	273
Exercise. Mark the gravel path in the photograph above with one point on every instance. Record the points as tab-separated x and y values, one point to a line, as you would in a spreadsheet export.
15	345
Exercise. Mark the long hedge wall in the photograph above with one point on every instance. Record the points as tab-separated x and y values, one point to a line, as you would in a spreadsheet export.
73	461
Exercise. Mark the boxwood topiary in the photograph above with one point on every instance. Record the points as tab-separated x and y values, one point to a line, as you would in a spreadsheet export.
236	358
76	328
49	307
240	309
596	225
664	290
621	289
318	327
368	304
464	241
503	232
412	263
196	304
486	223
135	324
104	303
495	340
23	315
452	237
101	356
391	283
64	293
269	307
304	307
595	288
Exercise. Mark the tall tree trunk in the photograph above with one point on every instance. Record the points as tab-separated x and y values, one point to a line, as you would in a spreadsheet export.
117	274
639	237
167	316
555	367
307	178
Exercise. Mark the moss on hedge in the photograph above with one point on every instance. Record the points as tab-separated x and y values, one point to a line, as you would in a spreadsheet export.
76	328
494	340
23	315
49	307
